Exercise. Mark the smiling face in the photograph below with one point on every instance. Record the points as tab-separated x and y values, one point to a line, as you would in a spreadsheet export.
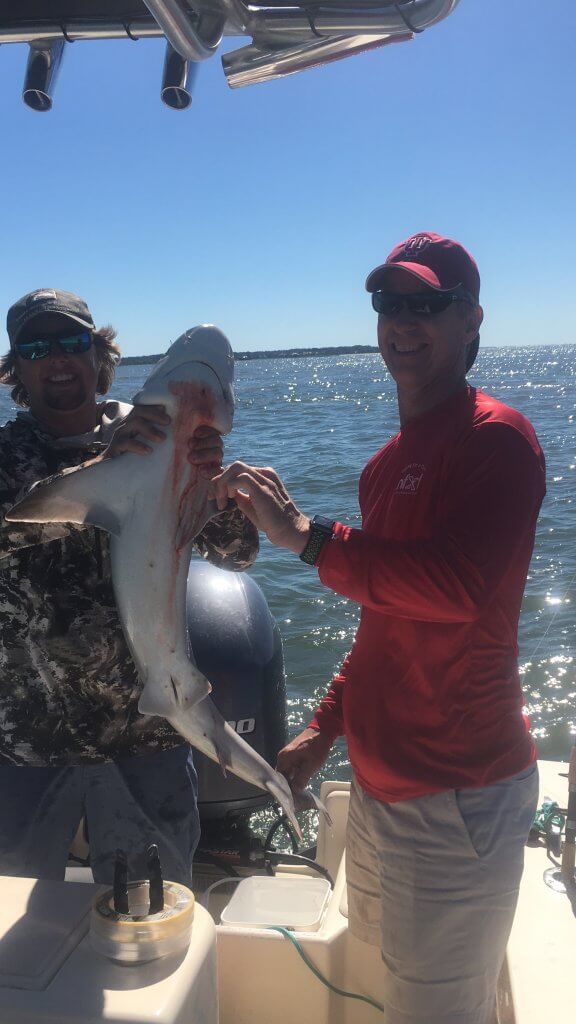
61	388
426	356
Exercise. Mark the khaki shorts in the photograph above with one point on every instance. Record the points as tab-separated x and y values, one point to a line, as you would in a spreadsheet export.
434	881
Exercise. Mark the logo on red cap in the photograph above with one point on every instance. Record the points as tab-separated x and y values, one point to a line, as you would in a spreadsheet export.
439	262
414	246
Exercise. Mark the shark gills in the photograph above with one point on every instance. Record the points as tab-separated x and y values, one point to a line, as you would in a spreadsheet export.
153	507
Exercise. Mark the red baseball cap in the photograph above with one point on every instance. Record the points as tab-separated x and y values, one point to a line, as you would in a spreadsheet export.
439	262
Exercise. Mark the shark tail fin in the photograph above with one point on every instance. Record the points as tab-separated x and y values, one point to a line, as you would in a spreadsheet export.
281	792
314	802
321	807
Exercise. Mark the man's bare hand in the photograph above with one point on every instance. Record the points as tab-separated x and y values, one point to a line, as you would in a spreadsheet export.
300	759
261	495
144	421
206	450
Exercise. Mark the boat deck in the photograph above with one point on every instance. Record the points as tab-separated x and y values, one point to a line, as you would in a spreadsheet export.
535	986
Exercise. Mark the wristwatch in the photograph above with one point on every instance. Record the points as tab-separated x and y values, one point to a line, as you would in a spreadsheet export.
321	530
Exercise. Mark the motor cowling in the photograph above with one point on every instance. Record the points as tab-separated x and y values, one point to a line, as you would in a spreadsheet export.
236	644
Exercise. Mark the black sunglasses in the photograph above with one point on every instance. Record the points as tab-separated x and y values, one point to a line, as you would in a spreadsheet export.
420	304
39	348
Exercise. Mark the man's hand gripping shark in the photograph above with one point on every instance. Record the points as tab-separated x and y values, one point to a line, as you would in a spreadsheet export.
153	508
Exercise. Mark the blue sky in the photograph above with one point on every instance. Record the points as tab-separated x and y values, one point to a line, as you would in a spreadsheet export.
262	209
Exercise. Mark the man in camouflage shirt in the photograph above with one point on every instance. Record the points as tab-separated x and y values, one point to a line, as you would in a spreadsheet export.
72	742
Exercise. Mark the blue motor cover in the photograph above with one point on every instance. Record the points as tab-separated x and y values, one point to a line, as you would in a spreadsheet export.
236	644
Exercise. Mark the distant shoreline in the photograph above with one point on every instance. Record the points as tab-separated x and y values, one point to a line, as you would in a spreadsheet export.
281	353
298	353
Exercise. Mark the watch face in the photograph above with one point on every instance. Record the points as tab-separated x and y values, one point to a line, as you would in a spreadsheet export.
324	524
321	530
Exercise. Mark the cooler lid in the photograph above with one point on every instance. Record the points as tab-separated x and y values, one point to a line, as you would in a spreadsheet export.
261	901
41	922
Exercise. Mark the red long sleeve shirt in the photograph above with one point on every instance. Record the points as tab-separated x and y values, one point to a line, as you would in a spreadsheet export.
429	697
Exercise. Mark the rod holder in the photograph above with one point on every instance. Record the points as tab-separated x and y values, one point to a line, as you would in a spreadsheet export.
178	78
569	851
121	904
155	880
42	69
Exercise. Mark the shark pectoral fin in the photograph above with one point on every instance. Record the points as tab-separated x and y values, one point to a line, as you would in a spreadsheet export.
281	792
94	495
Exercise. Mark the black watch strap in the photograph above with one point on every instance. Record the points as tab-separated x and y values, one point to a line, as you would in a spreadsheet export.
321	530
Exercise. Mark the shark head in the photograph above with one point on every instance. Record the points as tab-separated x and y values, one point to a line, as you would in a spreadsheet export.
202	355
194	383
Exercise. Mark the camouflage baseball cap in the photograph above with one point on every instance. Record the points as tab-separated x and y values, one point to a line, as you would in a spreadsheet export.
46	300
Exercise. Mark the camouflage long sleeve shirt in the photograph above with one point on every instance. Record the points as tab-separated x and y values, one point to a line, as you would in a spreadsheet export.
68	686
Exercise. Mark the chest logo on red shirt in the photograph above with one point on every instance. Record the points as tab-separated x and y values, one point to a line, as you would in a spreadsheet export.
410	478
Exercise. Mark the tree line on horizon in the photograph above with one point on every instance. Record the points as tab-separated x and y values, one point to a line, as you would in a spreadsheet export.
283	353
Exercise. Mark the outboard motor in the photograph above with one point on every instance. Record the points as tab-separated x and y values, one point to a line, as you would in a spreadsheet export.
237	646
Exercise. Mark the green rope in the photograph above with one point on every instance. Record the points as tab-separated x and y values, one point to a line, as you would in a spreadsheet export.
308	962
548	818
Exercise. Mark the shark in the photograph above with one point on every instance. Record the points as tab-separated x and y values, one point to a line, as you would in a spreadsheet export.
153	507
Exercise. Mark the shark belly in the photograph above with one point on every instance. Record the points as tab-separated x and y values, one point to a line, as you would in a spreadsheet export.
149	575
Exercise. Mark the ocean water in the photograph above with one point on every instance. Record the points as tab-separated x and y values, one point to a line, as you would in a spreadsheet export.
317	420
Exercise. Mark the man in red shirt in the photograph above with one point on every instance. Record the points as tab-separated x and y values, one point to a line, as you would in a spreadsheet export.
429	698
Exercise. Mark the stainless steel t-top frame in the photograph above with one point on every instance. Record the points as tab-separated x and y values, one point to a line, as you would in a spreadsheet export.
285	37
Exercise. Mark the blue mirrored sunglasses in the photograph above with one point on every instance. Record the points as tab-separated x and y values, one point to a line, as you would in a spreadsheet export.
72	344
